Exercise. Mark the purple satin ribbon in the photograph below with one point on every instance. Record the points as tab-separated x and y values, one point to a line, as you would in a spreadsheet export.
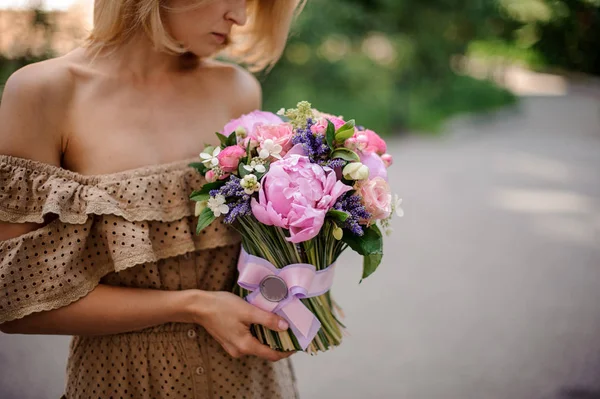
302	280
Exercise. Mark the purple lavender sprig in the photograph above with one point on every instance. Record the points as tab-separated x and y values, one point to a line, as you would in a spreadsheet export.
315	145
237	200
238	209
334	163
230	189
352	205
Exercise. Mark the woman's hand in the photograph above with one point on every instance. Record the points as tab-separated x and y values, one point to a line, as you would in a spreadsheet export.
228	317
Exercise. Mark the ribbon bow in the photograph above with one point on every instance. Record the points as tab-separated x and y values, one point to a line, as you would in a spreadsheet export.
279	291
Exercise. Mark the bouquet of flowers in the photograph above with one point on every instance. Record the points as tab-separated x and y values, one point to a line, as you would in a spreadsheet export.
300	187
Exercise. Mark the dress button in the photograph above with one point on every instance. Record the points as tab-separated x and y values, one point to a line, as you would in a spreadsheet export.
191	333
200	370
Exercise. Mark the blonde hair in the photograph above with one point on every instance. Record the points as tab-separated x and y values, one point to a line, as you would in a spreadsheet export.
259	44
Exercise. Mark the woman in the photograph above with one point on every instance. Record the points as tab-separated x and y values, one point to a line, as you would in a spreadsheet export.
97	237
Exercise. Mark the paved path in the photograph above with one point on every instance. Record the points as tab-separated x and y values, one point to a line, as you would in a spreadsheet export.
491	283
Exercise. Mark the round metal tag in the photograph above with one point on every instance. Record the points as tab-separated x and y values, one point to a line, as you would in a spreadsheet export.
273	288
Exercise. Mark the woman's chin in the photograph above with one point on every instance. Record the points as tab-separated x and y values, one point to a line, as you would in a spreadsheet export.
205	51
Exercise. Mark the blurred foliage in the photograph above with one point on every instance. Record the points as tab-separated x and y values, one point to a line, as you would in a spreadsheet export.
548	34
571	39
386	62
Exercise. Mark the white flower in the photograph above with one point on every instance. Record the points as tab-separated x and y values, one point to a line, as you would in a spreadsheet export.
255	166
210	160
356	171
217	205
397	206
281	112
250	184
268	148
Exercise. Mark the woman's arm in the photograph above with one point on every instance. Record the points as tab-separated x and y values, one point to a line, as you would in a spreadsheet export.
106	310
112	310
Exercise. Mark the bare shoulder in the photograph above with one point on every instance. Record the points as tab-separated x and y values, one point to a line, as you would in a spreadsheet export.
246	87
32	110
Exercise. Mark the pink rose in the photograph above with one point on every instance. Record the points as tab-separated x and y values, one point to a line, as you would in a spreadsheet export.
375	164
375	143
387	160
280	134
358	142
229	158
377	197
296	194
250	121
210	176
367	141
320	127
336	120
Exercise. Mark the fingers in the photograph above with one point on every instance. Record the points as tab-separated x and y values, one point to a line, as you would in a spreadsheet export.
252	347
255	348
267	319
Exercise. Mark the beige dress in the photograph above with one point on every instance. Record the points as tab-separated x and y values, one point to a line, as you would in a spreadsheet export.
131	229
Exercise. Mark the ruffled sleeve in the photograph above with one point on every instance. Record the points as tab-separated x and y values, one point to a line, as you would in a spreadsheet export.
94	225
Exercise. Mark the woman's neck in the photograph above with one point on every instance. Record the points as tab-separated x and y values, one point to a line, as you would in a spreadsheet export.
139	61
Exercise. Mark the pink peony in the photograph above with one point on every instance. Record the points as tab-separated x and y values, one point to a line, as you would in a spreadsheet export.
229	158
296	194
280	134
375	164
377	197
251	121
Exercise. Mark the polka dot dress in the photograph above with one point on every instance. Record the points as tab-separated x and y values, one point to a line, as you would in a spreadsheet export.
131	229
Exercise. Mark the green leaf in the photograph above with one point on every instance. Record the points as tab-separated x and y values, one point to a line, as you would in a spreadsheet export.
198	196
260	175
231	140
370	264
338	215
370	245
350	125
248	157
199	166
223	139
370	242
345	154
243	172
330	134
345	132
205	219
344	135
206	188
